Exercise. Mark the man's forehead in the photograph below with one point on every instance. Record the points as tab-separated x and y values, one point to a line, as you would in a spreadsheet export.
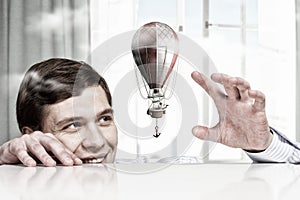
92	93
92	101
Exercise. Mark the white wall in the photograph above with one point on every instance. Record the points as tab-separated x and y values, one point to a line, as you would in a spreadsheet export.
275	68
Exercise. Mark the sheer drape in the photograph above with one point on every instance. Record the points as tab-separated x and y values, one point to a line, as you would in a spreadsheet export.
31	31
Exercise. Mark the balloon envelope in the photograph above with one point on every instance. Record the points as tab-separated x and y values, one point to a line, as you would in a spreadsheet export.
155	50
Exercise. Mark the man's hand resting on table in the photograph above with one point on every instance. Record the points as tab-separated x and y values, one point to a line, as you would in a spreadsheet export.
31	148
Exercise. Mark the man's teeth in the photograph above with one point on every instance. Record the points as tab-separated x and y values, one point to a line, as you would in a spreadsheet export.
95	160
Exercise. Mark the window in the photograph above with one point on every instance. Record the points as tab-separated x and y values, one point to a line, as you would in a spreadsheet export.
246	38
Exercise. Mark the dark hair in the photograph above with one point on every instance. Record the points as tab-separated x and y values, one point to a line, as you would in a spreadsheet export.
50	82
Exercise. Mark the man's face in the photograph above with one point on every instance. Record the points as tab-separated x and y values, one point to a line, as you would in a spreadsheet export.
84	124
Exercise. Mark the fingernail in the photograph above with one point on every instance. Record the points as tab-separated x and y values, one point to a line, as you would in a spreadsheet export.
31	163
50	162
78	161
195	131
69	161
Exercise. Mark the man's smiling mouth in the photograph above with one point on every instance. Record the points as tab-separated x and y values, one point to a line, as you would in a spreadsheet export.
95	160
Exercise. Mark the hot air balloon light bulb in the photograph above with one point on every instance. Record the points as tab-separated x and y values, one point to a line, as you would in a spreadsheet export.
155	50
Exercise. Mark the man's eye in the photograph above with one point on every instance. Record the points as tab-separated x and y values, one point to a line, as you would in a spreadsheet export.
74	125
105	120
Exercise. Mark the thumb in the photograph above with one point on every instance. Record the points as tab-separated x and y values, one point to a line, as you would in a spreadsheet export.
205	133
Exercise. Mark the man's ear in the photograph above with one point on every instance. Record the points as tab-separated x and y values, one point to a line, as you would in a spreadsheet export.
26	130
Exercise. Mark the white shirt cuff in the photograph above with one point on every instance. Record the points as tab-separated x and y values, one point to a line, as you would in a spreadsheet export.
278	151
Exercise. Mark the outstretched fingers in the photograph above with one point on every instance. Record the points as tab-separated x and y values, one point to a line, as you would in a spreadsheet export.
235	87
243	87
259	100
208	85
229	86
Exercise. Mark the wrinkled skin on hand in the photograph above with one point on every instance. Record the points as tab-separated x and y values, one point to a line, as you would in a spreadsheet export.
242	118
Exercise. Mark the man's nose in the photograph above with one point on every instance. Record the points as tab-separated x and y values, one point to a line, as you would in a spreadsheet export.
93	139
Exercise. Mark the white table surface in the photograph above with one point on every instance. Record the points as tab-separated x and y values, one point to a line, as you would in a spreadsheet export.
194	181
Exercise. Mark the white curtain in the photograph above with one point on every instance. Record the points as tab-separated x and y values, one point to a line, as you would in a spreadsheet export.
32	31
